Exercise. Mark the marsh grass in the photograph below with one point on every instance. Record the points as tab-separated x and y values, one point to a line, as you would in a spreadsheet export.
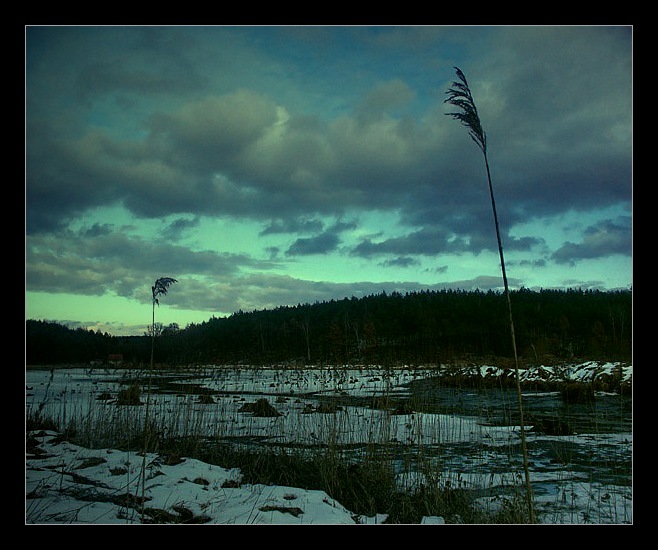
357	455
376	453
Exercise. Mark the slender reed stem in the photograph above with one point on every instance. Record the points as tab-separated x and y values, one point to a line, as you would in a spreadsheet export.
524	448
146	415
460	96
160	287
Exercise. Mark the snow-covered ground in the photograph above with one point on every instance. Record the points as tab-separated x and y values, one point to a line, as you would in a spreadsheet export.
71	484
66	483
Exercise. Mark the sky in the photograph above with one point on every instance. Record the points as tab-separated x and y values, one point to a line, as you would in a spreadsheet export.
264	166
63	490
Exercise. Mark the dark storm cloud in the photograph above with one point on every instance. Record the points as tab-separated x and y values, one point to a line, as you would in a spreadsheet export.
400	261
603	239
426	241
66	177
243	153
233	154
86	89
292	226
321	244
531	263
556	104
176	228
117	60
430	241
56	181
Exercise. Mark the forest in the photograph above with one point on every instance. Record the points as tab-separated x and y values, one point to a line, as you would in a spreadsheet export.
426	327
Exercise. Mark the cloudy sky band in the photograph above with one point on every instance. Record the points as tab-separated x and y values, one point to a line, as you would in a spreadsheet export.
318	162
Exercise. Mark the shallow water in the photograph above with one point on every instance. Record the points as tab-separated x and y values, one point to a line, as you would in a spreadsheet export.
470	436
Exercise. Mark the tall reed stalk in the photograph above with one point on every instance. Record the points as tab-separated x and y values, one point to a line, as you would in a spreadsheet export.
158	289
460	96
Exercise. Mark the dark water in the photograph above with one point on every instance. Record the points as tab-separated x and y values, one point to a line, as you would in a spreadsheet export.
589	442
607	413
592	441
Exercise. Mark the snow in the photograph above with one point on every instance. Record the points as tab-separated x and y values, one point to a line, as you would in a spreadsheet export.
66	483
78	485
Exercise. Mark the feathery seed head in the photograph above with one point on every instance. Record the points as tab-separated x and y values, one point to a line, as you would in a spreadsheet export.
160	287
460	96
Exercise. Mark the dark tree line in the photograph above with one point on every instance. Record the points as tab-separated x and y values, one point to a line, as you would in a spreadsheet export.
419	327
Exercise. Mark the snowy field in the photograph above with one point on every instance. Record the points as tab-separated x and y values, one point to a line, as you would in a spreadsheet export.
575	478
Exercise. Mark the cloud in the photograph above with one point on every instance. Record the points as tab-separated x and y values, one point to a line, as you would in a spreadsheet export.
540	262
245	153
547	121
213	132
603	239
446	238
176	228
273	251
269	291
440	269
400	261
382	99
98	230
97	263
321	244
427	241
103	262
292	225
114	76
585	285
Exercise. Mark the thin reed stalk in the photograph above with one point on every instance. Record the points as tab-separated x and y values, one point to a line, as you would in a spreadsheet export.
159	288
460	96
